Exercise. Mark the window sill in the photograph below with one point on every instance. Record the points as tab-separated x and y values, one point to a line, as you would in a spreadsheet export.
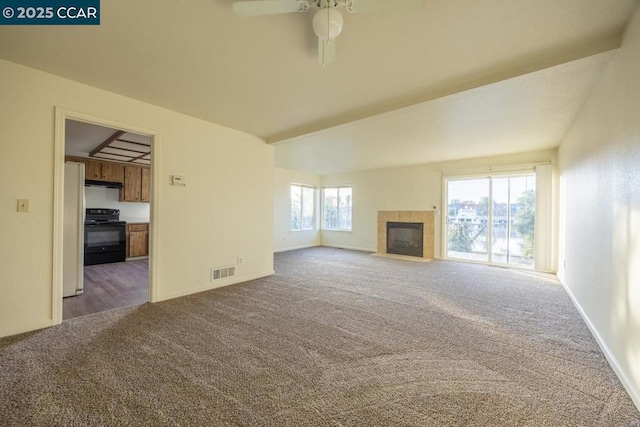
339	230
302	231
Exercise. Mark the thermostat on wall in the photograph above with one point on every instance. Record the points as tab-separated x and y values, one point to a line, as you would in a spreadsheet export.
178	181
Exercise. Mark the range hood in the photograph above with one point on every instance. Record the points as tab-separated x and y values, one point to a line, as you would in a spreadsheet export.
108	184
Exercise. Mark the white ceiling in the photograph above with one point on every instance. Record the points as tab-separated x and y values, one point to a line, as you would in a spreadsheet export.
80	138
525	113
261	75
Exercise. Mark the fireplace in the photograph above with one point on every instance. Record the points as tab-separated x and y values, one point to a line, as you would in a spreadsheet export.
405	238
421	218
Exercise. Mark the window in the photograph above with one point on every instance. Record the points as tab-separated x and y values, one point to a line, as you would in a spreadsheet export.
302	207
337	208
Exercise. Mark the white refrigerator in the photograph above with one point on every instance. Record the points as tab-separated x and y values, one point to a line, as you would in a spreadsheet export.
73	231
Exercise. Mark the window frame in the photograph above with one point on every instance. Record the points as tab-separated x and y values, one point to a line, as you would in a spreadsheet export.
313	199
338	188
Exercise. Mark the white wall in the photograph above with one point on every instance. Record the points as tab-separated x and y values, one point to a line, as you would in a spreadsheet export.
407	188
283	238
600	176
225	211
102	197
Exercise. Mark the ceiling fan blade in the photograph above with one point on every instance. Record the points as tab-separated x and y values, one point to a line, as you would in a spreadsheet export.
387	6
326	51
269	7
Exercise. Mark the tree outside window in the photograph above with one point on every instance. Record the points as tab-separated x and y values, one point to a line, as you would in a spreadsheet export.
525	222
337	204
302	207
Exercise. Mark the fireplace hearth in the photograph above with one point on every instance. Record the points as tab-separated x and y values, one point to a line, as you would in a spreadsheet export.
405	238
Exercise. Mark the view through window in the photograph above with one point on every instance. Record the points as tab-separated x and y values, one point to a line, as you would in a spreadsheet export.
337	208
492	219
302	207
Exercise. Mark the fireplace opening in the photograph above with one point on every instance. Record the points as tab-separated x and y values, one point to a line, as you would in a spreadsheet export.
405	238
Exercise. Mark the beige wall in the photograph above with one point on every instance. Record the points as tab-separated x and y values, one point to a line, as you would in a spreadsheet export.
600	193
411	188
283	238
225	211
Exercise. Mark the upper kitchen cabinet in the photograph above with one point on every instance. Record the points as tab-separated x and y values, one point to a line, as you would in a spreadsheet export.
136	184
112	172
93	170
146	185
100	171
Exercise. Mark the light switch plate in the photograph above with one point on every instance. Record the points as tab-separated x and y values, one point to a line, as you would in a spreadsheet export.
23	205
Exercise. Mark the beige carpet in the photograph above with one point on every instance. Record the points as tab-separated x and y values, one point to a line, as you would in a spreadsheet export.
335	338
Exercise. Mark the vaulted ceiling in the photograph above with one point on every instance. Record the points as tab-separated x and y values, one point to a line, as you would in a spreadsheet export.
436	77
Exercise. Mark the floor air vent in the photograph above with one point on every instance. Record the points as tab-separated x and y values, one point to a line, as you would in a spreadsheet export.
222	273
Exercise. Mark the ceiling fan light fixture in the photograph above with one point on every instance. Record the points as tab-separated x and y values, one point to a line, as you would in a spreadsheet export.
327	23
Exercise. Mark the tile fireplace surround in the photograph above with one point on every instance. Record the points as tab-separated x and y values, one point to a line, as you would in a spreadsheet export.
425	217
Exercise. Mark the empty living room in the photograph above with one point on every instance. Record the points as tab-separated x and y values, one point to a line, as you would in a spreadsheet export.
357	212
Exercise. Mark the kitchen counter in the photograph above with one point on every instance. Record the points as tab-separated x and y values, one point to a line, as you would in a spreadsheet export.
135	220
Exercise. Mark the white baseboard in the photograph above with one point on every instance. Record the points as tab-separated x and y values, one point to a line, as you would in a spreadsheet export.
295	248
351	248
28	327
631	388
214	285
324	245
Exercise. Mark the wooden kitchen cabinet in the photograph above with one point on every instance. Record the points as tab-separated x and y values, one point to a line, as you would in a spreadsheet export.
132	191
136	184
100	171
93	170
145	184
137	240
111	171
136	180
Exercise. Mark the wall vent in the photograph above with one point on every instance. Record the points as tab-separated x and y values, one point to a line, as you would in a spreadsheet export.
222	273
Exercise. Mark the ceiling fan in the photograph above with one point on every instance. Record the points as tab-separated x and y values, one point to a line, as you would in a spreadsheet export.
327	22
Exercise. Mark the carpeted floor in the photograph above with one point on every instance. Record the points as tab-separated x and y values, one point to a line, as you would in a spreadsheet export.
335	338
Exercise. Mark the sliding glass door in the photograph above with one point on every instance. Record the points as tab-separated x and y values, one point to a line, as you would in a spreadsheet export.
514	201
496	212
467	230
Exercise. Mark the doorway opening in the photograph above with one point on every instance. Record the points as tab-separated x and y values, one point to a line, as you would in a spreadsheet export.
492	219
107	218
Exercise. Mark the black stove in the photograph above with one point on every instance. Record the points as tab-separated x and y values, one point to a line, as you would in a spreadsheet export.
102	215
104	236
94	221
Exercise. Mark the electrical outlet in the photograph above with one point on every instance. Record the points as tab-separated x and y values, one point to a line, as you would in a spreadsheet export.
23	205
240	260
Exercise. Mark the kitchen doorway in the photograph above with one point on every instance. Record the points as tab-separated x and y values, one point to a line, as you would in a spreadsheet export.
106	257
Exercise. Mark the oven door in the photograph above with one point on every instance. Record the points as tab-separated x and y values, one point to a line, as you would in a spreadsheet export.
104	243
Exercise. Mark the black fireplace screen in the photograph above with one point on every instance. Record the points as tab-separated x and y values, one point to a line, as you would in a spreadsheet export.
405	238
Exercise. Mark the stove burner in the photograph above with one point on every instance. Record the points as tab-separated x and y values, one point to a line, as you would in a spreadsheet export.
102	215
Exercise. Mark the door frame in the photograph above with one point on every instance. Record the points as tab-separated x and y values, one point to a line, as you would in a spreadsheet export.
61	115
